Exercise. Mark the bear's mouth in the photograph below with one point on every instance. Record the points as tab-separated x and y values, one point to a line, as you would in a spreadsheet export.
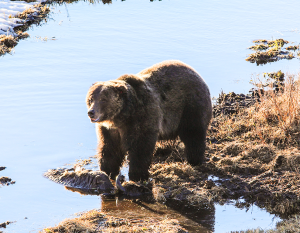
94	120
101	118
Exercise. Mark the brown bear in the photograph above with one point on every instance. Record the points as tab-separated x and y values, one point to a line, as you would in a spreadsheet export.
162	102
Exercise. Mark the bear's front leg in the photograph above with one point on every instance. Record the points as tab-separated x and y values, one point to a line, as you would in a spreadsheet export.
140	155
110	154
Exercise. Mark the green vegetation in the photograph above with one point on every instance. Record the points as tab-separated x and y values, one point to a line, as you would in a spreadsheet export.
270	51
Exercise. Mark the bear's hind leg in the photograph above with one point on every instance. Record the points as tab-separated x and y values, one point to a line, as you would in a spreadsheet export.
192	132
110	154
194	141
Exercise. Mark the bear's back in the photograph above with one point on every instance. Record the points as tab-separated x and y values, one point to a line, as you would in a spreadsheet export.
177	86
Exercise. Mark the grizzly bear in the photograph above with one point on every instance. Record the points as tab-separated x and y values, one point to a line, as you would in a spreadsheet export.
162	102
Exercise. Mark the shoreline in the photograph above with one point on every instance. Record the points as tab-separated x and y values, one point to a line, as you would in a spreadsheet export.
16	18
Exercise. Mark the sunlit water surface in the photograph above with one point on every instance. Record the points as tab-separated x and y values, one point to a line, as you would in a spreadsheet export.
44	82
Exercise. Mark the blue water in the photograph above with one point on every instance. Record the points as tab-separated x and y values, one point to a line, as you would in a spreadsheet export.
44	82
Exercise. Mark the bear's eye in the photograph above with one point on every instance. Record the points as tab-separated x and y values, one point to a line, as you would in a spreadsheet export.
90	101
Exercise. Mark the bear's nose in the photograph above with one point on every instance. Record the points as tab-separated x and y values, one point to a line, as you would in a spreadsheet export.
91	113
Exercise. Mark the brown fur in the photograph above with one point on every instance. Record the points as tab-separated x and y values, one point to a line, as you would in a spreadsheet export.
162	102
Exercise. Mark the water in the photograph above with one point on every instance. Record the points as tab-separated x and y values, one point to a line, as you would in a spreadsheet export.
43	86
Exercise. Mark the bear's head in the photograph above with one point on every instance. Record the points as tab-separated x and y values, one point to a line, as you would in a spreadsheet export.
105	100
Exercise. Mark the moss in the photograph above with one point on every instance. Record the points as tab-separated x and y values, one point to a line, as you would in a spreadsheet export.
273	51
259	47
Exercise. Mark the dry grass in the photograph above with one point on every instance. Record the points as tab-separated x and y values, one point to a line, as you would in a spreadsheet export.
87	223
94	221
8	42
274	119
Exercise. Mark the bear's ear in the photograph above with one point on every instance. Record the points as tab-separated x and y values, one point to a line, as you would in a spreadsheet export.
121	90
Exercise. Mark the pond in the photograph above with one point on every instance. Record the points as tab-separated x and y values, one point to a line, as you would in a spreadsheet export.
44	82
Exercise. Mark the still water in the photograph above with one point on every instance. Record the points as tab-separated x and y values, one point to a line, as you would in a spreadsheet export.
43	84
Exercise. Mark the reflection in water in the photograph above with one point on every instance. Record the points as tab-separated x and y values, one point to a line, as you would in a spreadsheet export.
191	218
214	218
204	217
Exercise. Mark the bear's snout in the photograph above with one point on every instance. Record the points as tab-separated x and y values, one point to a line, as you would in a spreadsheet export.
91	113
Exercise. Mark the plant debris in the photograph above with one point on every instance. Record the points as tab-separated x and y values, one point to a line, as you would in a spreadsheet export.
5	181
270	51
292	47
4	224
